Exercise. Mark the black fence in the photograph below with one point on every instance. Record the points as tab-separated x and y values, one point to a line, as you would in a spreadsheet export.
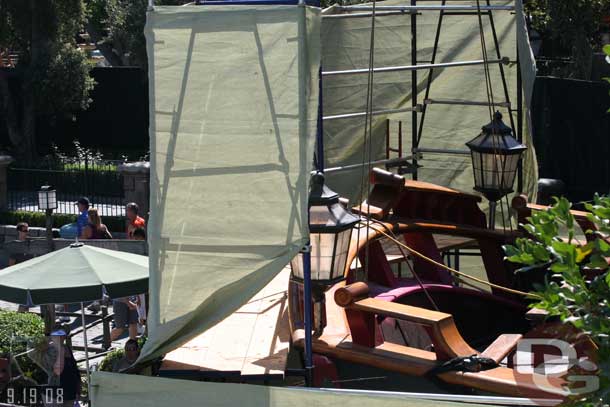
572	134
98	180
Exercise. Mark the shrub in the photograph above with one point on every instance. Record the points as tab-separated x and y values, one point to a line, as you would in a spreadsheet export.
16	330
578	287
34	219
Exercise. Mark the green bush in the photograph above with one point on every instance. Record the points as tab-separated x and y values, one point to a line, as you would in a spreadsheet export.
34	219
17	329
577	289
110	358
38	219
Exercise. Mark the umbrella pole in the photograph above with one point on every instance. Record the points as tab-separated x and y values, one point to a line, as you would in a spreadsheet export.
82	308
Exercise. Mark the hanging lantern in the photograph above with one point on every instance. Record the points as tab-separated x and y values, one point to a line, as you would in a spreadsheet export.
330	231
495	159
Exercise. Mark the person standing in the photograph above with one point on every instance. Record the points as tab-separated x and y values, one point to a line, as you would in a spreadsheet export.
95	229
57	360
83	218
134	221
125	316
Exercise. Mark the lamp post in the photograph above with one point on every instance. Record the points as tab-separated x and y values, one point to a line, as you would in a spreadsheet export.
495	157
323	262
47	201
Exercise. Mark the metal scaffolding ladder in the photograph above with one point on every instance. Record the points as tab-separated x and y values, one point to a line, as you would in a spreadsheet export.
409	163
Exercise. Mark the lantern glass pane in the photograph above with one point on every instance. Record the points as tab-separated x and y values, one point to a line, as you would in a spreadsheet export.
42	200
343	242
322	254
297	266
52	200
477	169
511	163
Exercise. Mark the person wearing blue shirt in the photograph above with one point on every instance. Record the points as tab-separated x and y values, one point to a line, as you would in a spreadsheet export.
83	220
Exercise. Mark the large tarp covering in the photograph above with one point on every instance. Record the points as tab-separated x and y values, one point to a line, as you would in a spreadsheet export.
345	45
118	390
233	107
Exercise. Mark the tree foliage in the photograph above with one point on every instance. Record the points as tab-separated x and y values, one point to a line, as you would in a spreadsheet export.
575	24
52	71
17	329
117	26
578	288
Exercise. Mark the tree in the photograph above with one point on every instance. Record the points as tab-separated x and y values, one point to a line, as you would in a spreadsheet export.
575	24
53	73
117	28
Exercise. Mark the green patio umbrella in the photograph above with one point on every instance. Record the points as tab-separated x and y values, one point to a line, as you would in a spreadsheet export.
77	273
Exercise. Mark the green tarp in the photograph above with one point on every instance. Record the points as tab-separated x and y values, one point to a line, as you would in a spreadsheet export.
118	390
233	107
345	45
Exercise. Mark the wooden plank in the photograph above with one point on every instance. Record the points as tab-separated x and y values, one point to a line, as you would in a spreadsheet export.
253	341
502	346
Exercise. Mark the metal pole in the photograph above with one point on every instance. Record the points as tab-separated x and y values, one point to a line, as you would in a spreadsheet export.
373	113
413	67
320	132
49	227
441	151
427	8
364	15
399	160
306	251
307	314
430	75
47	311
492	215
82	309
519	122
414	86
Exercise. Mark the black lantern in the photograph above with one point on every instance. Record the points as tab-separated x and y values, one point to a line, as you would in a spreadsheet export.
47	198
495	159
330	231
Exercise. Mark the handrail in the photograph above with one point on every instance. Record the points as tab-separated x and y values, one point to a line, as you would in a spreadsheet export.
448	343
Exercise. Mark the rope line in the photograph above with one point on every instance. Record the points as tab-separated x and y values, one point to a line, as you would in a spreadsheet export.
411	268
459	273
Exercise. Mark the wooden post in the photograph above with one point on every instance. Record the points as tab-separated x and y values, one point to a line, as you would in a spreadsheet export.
106	343
5	160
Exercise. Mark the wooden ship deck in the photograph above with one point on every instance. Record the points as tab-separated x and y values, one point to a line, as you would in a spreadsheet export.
250	345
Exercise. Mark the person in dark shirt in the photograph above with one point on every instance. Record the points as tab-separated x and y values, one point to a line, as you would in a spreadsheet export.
57	360
22	235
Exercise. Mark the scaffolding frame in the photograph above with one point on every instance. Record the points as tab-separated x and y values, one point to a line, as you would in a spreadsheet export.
419	107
